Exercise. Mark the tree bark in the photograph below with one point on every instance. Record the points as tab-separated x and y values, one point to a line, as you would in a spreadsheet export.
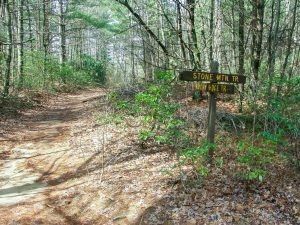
62	24
241	48
180	31
288	47
257	35
21	69
30	26
9	52
272	43
211	31
147	28
191	6
46	35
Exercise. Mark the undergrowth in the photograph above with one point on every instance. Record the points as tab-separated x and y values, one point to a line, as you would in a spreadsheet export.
12	105
155	112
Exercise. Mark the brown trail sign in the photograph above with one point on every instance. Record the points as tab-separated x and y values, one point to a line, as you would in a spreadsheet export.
212	77
213	88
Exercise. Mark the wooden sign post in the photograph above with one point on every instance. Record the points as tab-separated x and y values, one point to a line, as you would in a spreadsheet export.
214	68
214	83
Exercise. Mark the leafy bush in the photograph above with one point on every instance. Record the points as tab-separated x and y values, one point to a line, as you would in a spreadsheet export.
197	158
161	123
95	68
159	115
53	77
254	160
281	120
157	112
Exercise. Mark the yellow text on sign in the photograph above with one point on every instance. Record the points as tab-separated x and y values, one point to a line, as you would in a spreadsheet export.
203	76
216	77
221	88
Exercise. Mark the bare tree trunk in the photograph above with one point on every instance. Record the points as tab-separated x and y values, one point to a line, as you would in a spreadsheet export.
9	52
30	26
233	62
257	35
148	29
16	47
289	47
46	36
211	31
62	24
21	69
272	43
180	32
2	7
132	57
191	6
241	48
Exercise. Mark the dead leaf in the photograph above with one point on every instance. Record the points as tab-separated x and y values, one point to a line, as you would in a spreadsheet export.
191	222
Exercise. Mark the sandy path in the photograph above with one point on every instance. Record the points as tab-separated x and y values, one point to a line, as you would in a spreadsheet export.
64	168
39	148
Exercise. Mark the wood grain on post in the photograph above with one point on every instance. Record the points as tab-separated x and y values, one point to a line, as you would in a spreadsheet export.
214	67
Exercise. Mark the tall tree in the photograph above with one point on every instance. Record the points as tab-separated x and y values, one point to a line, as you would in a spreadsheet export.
258	7
191	7
241	47
180	31
63	6
9	51
289	44
146	27
273	41
21	65
46	35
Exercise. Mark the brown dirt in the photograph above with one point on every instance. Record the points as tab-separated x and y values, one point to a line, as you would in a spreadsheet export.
58	166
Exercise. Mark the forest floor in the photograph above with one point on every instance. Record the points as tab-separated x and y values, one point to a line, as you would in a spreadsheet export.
59	166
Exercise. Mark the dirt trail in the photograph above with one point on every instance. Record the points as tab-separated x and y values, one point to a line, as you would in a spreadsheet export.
66	169
39	148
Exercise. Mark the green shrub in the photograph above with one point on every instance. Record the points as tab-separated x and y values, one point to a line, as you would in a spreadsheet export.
280	121
157	112
254	160
197	158
95	68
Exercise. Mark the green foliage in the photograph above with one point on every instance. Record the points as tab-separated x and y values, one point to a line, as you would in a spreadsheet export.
161	124
280	123
123	104
51	77
95	22
156	111
220	162
117	119
283	118
164	75
96	69
197	96
146	135
254	160
3	33
197	158
36	76
159	113
12	104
